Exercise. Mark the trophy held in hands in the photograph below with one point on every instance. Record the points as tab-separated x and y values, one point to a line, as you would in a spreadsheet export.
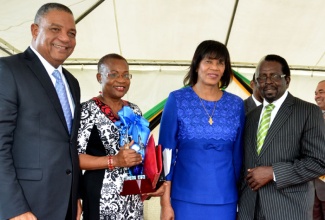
143	177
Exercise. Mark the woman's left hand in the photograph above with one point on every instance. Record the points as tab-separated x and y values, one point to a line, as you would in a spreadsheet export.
159	192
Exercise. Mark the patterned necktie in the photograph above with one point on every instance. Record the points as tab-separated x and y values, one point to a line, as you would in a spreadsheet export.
61	91
264	127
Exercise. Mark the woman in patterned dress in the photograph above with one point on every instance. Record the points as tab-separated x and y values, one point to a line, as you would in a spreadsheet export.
104	161
201	133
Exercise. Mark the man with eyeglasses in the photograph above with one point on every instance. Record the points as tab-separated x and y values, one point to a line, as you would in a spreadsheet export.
283	150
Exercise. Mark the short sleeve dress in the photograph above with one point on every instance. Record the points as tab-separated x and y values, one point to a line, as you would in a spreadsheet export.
99	136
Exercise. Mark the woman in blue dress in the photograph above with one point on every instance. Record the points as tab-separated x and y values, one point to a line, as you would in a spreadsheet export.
201	135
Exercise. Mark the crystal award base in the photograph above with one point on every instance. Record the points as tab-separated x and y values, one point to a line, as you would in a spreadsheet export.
136	185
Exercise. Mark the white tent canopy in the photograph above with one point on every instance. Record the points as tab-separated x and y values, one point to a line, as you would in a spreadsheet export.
158	38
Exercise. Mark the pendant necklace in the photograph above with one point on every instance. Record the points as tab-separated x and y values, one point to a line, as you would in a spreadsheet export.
210	116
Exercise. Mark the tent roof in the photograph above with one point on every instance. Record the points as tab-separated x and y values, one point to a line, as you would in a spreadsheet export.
161	31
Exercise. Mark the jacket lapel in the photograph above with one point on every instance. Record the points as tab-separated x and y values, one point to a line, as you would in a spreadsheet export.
252	130
278	122
38	69
251	102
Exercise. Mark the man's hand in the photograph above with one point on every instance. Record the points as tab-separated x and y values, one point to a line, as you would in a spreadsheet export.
25	216
259	176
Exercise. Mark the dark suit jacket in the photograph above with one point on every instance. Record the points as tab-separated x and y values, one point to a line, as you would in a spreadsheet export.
39	166
294	147
320	189
249	104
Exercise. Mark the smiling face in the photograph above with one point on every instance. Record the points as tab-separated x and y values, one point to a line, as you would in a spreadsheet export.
272	90
114	88
210	71
54	37
320	95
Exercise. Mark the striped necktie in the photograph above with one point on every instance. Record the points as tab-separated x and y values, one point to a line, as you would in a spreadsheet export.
264	127
62	93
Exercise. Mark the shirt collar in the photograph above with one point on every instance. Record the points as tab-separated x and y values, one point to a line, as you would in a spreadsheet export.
49	68
257	103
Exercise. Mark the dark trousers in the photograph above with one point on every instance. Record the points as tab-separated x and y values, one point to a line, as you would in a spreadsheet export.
319	209
258	214
69	211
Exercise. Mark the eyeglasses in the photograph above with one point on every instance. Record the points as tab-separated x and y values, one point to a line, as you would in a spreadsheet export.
273	78
116	75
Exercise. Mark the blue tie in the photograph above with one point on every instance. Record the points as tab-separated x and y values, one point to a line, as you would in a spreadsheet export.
60	90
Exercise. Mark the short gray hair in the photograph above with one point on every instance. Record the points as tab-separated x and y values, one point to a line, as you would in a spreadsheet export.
44	9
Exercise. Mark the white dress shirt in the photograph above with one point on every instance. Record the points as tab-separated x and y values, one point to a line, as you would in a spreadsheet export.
50	69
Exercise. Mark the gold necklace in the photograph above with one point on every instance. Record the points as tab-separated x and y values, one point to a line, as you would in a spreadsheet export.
210	116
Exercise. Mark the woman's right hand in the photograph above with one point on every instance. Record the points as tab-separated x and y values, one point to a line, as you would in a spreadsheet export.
127	157
167	213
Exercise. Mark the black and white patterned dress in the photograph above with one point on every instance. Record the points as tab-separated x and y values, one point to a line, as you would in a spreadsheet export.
99	136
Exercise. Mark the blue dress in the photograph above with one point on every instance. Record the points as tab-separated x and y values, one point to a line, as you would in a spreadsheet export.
205	159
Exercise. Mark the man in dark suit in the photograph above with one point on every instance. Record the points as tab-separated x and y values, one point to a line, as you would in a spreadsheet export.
255	99
39	168
319	205
278	173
